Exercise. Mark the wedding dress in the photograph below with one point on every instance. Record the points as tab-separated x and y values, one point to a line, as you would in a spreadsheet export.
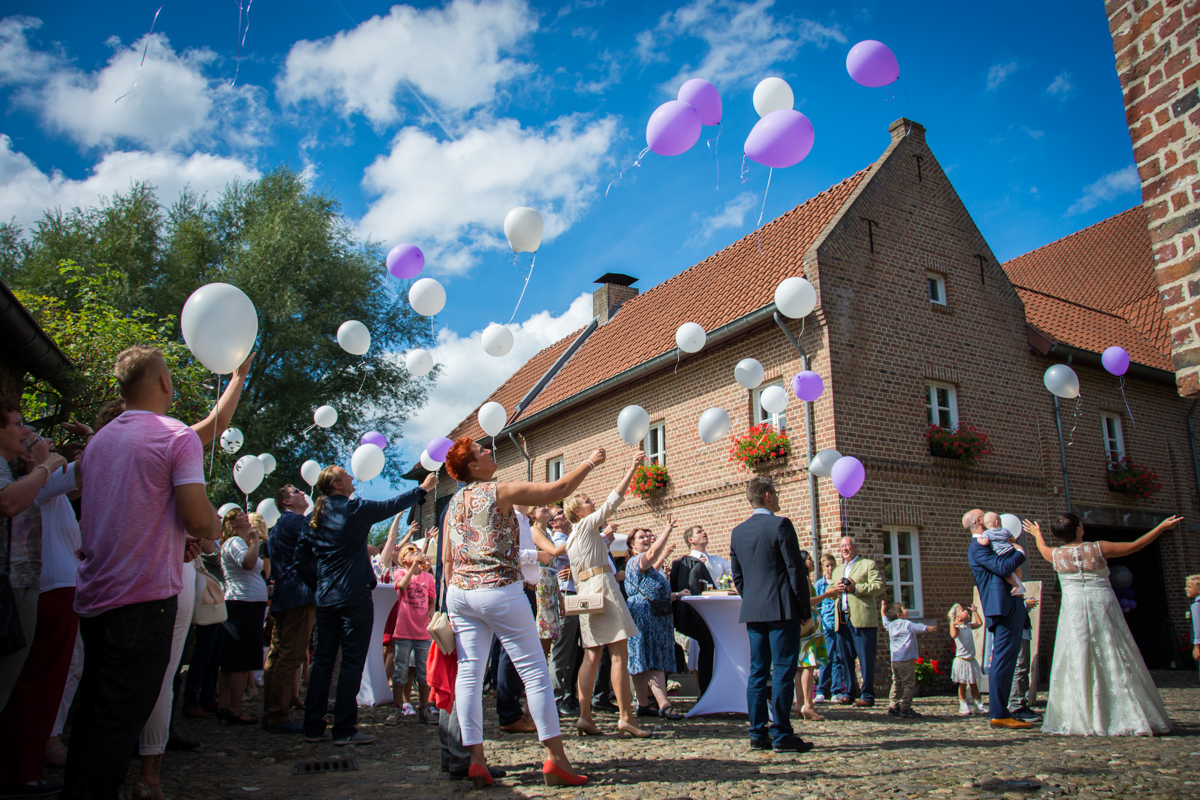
1099	685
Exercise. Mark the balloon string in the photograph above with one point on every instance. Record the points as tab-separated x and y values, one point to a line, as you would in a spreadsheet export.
247	502
712	148
213	456
745	169
758	225
636	163
304	432
144	51
1075	420
676	360
364	382
1126	399
842	510
241	36
528	275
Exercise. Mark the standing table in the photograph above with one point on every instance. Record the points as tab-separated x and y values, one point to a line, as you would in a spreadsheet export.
731	661
374	689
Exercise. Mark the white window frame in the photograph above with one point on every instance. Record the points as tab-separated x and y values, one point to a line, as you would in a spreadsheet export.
554	469
931	403
656	455
938	280
761	415
1109	440
892	555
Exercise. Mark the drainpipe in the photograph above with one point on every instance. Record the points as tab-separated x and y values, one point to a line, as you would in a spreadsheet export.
528	462
1192	442
813	513
1062	450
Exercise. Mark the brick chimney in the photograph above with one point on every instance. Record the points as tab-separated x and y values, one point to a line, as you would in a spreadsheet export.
906	127
614	290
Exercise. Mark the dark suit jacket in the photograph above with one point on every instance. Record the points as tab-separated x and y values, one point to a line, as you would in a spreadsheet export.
767	570
686	573
989	570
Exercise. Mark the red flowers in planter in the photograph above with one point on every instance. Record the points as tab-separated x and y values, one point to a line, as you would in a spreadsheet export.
1136	480
761	443
647	479
965	442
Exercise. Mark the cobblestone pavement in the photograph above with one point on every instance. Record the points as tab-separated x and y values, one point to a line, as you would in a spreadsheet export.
859	754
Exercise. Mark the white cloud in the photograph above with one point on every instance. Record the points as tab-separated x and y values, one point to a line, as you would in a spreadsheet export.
26	191
999	73
733	215
469	375
1060	85
1033	134
454	55
1111	186
744	39
19	63
452	197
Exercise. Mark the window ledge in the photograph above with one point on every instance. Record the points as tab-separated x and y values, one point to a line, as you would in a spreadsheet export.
941	308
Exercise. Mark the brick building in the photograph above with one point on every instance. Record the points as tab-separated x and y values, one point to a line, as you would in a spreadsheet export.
915	320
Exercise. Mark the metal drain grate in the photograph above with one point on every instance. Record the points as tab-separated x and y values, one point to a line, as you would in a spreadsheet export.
328	765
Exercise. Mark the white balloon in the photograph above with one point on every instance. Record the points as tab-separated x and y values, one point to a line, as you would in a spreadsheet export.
310	471
268	462
367	462
225	509
269	512
248	473
523	226
419	362
690	337
1062	381
749	373
231	440
497	340
795	298
822	463
219	324
428	463
427	297
325	416
354	337
772	94
309	505
633	423
714	425
492	418
774	399
1012	524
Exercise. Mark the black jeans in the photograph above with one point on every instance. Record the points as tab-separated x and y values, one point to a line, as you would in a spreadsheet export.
347	626
201	684
125	655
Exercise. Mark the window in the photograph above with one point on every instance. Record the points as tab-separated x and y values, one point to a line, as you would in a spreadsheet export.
1114	441
656	444
554	470
937	288
779	421
941	404
902	569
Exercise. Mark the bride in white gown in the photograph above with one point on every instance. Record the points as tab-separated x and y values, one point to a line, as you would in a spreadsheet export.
1099	685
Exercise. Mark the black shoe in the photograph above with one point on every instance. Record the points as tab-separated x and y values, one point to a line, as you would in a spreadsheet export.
760	744
792	744
647	711
894	711
1026	714
495	772
606	706
909	713
180	744
38	788
668	712
568	709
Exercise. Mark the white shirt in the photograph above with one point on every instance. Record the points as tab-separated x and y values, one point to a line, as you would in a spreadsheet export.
562	562
762	511
241	583
530	568
61	542
846	574
717	566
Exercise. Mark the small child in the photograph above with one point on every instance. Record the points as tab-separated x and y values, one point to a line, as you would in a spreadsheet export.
416	591
1001	542
1193	592
965	670
902	633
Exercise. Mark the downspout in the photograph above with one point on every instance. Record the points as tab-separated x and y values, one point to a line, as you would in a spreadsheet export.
528	461
1192	442
809	442
1062	450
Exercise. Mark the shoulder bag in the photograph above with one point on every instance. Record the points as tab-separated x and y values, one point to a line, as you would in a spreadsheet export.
12	638
660	608
440	629
210	598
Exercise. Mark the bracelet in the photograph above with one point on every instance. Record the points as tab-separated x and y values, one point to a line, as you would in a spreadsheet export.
43	466
588	461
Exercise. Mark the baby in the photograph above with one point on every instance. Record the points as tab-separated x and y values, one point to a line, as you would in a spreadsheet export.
1001	542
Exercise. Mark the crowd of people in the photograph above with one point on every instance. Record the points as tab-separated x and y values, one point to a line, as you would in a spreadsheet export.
516	584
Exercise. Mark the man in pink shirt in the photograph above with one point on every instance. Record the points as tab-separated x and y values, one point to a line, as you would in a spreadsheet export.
143	496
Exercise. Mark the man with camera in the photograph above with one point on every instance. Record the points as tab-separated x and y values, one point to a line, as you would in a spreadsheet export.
856	622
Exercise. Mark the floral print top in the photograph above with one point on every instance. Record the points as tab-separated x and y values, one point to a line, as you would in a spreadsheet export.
484	544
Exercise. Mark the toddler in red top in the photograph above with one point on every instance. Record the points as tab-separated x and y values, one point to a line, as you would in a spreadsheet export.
415	589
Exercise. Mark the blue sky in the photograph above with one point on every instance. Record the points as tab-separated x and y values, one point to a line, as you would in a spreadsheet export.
430	121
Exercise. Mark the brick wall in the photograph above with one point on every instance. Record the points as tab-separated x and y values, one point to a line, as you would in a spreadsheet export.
1157	47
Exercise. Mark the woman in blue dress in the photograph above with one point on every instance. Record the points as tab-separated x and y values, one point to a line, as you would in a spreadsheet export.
652	650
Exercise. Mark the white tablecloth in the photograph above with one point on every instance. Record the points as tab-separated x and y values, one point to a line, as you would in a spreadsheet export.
374	689
731	659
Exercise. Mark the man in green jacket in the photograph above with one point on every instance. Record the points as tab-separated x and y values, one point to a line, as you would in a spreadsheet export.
859	584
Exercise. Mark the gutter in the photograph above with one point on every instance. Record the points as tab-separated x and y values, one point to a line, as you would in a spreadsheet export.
1136	370
809	446
30	346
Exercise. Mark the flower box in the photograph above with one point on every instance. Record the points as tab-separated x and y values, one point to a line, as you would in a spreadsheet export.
759	446
1135	480
965	443
648	479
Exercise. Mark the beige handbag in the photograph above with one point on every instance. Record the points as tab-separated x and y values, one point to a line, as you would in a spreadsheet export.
442	633
583	604
210	599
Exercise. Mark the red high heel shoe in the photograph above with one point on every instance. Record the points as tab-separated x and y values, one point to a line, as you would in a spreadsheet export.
554	775
480	776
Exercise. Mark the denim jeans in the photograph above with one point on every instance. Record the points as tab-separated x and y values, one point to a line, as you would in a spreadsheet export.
774	650
201	684
347	626
857	643
126	651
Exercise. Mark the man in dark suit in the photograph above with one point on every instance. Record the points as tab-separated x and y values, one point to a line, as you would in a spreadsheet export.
690	573
773	584
1005	617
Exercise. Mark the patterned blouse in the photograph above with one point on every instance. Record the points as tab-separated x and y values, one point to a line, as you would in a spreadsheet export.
484	544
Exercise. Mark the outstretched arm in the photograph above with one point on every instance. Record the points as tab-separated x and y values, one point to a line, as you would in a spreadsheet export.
218	419
654	554
523	493
1121	549
1036	529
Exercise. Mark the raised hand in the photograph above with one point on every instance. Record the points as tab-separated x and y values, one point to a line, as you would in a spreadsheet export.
639	458
242	371
76	427
1170	522
597	457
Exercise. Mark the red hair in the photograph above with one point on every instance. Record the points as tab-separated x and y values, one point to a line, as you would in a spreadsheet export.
460	458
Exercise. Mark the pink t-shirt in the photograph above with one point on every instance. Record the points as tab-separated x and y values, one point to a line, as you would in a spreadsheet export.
132	535
412	609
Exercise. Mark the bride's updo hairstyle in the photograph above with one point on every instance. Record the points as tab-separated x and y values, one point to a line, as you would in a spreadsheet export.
1065	528
459	460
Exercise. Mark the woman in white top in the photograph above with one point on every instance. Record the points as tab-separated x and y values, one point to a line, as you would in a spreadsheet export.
246	605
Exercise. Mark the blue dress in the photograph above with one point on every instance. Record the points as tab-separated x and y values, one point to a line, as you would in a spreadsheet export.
653	647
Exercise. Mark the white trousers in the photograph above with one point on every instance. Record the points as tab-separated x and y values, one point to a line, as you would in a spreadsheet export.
477	615
69	688
153	740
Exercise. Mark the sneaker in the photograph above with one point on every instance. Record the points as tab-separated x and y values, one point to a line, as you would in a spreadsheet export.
964	710
819	698
355	738
910	714
432	710
980	708
393	718
1026	714
408	710
323	736
894	711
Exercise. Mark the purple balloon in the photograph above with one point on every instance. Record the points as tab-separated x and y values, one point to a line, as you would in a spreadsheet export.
872	63
673	128
705	98
374	437
808	386
1115	360
437	448
780	139
405	261
847	475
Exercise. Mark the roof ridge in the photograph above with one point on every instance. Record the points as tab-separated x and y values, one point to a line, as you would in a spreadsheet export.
1071	236
1068	302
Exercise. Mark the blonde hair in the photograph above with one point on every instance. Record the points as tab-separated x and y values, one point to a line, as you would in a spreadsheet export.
828	558
135	363
227	529
324	486
571	507
1193	580
260	522
952	615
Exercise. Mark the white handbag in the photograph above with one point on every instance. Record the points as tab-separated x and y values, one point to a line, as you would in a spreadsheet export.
210	599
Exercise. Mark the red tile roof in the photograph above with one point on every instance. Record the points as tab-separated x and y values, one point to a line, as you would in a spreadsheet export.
1095	288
